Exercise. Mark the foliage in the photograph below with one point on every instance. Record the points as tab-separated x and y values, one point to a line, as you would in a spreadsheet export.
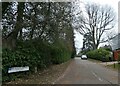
87	42
36	34
108	49
33	54
99	54
60	54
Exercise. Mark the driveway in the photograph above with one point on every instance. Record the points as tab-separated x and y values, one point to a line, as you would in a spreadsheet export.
87	72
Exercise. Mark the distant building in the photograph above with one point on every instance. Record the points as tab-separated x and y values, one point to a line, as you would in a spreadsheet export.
115	44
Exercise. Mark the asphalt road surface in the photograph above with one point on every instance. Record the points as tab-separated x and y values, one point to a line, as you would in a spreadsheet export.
87	72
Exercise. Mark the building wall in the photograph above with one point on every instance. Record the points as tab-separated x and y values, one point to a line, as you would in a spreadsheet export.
116	54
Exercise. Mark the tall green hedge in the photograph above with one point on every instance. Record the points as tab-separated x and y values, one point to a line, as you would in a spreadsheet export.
34	54
60	55
99	54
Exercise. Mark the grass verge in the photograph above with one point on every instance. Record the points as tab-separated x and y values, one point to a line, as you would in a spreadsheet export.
115	66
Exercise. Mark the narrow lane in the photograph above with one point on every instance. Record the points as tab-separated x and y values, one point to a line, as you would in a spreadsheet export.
87	72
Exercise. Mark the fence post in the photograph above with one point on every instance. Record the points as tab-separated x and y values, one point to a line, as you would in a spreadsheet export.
114	65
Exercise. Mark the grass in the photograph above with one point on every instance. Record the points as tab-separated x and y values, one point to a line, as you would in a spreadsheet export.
115	66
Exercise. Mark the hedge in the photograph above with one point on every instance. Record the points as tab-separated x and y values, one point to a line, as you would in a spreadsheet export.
99	54
34	54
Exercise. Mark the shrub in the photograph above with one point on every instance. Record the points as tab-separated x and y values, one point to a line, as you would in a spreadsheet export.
33	54
60	54
99	54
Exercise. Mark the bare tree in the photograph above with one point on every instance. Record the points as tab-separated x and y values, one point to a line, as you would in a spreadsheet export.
95	20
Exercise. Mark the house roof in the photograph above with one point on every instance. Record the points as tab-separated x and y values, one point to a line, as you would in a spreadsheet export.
115	42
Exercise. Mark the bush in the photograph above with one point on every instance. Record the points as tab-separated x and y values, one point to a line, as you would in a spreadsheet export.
99	54
19	59
33	54
60	54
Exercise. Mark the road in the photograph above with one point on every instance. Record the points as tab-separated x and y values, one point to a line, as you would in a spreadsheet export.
87	72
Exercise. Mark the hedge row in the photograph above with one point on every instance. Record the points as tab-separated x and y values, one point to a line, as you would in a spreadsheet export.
39	55
99	54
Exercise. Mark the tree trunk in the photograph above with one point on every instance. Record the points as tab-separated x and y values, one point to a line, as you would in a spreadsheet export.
20	37
31	33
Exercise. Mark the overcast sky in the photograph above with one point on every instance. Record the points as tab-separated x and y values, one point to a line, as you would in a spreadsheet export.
112	3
